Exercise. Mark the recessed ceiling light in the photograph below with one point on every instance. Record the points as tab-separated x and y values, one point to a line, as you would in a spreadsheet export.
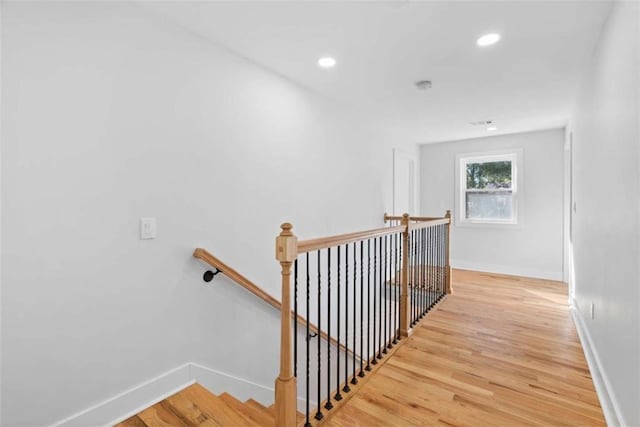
492	128
488	39
327	62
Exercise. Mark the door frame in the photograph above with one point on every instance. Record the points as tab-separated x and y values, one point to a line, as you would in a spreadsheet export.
413	192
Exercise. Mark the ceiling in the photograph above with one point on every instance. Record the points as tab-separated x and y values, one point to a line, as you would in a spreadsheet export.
527	81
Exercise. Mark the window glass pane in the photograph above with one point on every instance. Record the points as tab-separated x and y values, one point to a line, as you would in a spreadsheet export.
489	205
489	175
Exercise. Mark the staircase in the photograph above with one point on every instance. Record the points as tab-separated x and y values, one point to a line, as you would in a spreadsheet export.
197	406
374	287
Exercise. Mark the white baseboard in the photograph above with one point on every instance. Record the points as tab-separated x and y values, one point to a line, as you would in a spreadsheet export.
242	389
508	269
129	402
218	382
608	402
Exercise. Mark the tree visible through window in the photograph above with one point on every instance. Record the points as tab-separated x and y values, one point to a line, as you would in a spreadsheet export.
488	189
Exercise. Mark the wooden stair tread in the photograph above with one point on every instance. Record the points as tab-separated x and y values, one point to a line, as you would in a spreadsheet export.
195	406
255	404
259	416
162	415
187	408
215	408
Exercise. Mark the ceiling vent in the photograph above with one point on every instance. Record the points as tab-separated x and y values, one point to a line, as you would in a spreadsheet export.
481	123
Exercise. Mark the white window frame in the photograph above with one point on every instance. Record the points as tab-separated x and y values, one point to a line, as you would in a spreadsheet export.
463	159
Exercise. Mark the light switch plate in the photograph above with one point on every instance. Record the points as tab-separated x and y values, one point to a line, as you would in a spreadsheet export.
148	228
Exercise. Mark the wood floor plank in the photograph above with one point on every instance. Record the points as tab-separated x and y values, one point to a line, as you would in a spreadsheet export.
159	416
501	351
134	421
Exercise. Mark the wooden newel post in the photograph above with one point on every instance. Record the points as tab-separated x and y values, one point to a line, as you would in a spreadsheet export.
286	389
447	252
405	321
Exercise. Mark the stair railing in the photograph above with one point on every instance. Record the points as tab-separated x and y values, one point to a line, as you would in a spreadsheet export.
370	288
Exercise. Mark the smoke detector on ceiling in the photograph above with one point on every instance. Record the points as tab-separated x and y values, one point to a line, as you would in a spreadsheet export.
423	84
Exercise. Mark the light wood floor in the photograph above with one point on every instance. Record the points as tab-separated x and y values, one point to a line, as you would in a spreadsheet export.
499	351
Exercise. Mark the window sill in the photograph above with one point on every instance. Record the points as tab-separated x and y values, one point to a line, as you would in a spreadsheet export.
489	225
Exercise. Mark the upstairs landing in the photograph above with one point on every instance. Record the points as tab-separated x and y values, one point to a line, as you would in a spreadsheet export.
499	351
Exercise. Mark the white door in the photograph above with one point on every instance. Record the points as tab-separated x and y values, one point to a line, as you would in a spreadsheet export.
404	183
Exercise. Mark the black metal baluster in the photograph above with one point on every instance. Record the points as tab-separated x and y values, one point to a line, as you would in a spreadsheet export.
307	355
416	306
441	247
394	299
319	414
409	284
329	405
436	273
375	299
413	278
368	368
338	396
354	380
388	291
386	297
434	248
346	387
436	259
429	270
426	270
295	317
423	270
361	373
398	288
380	284
418	272
432	271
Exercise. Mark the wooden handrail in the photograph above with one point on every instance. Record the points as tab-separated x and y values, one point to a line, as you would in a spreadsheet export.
232	274
427	223
341	239
388	217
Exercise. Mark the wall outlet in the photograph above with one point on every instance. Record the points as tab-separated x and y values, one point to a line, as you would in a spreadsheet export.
593	310
148	228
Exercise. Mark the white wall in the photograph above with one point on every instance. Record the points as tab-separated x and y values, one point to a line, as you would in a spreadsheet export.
110	115
606	231
533	247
